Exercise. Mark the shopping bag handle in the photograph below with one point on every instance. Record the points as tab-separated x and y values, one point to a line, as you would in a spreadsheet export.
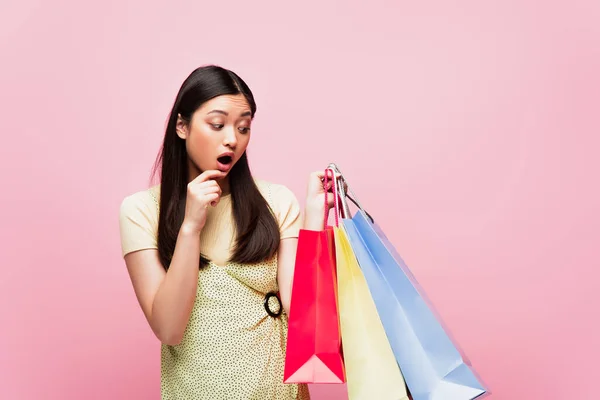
343	195
336	194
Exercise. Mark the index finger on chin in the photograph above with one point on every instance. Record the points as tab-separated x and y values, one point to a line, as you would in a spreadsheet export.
208	175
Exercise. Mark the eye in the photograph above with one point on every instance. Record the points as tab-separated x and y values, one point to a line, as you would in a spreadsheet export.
244	129
217	126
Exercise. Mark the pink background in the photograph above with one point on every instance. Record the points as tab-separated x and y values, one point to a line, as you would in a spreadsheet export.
486	114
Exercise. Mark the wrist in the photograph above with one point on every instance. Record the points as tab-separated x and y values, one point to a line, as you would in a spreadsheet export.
190	229
314	217
314	207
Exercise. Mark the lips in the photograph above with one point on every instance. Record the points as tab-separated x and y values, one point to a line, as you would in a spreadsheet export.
225	161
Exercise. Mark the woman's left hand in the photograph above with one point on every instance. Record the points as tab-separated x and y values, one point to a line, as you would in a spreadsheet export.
314	218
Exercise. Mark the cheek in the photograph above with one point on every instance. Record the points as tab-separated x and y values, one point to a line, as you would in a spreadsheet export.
198	141
243	141
200	147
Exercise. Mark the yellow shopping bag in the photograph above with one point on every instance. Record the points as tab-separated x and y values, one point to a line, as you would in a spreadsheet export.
371	368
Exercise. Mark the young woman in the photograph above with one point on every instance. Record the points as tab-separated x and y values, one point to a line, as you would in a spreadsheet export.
211	250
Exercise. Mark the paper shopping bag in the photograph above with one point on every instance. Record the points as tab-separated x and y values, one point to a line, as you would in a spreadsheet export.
313	352
371	368
431	364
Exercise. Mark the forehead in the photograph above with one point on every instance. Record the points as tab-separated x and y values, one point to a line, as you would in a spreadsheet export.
232	104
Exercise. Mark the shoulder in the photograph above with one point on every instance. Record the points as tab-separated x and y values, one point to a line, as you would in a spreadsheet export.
143	201
138	220
276	194
284	205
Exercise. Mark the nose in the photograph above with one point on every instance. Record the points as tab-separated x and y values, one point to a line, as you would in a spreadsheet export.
230	138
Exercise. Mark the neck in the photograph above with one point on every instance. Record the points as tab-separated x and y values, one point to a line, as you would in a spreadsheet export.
224	183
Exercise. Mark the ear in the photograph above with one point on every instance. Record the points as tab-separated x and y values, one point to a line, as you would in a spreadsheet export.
182	127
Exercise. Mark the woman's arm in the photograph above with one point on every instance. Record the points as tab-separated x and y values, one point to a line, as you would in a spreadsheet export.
167	298
314	219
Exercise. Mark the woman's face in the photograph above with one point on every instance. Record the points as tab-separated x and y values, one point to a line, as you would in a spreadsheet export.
217	135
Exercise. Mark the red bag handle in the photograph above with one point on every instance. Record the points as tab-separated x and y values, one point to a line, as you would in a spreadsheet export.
336	199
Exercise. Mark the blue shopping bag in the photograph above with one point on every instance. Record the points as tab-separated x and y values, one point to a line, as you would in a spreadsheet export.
431	364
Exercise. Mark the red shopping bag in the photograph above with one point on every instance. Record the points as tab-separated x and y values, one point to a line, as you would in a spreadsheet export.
314	353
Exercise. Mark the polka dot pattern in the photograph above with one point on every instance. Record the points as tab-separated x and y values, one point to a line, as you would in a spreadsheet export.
231	349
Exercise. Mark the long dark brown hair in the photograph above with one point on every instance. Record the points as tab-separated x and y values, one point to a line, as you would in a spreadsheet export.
257	230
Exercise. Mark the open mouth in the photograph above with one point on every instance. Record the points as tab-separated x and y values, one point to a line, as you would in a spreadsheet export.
225	160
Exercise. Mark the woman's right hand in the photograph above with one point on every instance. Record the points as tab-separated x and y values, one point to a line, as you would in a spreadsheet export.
202	192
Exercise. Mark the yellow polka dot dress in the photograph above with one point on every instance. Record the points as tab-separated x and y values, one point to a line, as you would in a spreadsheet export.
234	345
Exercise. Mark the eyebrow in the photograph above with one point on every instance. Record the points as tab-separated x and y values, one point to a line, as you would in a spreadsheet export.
246	114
